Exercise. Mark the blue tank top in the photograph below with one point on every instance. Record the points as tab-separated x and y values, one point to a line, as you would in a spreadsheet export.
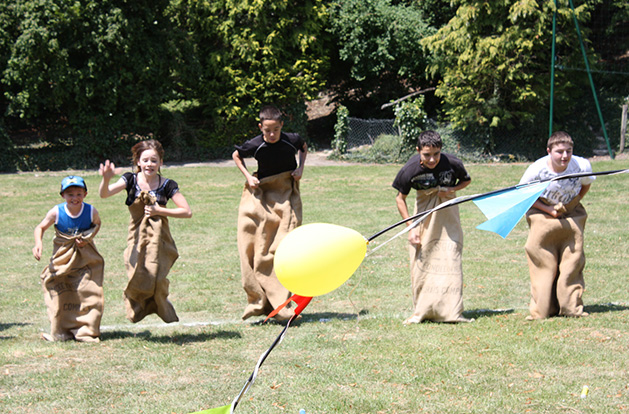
73	225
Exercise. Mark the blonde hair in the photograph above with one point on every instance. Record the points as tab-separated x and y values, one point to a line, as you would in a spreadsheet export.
140	147
559	137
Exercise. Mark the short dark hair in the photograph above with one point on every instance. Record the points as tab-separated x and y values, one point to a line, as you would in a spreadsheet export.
429	139
559	137
270	113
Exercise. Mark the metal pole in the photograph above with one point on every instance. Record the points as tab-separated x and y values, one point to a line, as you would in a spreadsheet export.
552	74
587	67
623	127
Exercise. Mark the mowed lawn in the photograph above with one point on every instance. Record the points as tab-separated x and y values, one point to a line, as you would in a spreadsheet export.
350	353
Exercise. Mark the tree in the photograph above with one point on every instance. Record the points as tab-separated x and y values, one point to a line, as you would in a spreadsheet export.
609	28
379	49
491	56
494	59
88	71
240	54
8	32
608	31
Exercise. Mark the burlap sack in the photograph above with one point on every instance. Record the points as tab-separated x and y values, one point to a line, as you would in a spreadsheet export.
436	265
73	288
554	250
266	214
149	255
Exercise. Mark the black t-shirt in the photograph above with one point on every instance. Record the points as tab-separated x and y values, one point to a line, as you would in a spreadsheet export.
449	172
166	190
273	158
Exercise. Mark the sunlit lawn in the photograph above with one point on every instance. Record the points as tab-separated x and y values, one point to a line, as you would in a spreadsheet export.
350	353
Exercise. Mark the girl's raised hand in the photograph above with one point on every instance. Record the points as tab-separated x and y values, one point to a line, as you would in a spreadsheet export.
107	170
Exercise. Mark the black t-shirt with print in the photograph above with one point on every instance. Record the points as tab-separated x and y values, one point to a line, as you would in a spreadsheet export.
449	172
166	190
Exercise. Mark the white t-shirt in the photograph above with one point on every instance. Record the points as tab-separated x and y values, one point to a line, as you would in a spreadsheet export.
560	190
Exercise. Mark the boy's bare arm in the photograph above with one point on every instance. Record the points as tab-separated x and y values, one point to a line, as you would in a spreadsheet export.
302	162
240	163
460	186
96	221
550	210
554	212
48	221
402	208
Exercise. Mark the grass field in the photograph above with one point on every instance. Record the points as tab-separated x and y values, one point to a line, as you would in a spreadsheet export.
350	353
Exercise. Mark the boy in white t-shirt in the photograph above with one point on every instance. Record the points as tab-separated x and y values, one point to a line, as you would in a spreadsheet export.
554	247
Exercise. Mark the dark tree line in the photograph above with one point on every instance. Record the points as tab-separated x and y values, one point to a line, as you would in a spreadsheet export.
83	80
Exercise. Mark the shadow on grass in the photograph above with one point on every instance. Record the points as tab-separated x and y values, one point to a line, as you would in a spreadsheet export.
605	307
178	338
485	313
596	308
317	317
5	326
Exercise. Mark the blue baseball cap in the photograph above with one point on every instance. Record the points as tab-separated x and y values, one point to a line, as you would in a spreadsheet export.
72	181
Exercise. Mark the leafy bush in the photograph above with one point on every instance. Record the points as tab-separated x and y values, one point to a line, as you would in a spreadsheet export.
411	119
239	55
394	149
89	72
341	130
379	52
83	74
386	149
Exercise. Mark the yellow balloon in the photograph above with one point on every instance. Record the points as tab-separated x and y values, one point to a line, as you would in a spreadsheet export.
317	258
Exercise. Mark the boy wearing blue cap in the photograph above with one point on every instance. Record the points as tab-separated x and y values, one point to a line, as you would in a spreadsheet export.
73	280
71	217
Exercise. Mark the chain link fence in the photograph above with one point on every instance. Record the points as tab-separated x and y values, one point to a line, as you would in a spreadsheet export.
363	134
366	131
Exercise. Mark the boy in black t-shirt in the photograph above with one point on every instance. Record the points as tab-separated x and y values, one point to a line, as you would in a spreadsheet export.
270	207
274	150
436	244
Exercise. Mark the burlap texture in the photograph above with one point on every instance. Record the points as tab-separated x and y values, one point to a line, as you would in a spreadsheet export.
73	288
554	250
266	214
436	264
150	253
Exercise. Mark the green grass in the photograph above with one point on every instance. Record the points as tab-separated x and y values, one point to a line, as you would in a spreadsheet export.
350	353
